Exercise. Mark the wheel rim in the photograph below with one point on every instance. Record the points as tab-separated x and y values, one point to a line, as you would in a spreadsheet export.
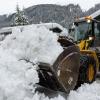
90	73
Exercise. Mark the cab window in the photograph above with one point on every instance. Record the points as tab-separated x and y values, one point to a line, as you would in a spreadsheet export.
97	34
97	30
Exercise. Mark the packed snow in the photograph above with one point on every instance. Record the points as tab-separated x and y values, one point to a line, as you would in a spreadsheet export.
20	54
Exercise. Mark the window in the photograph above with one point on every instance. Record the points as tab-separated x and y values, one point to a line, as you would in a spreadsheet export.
84	30
97	30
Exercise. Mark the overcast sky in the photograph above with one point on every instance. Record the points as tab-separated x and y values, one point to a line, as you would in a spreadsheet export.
9	6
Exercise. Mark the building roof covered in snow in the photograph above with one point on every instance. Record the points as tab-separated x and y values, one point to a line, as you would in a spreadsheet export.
6	30
54	27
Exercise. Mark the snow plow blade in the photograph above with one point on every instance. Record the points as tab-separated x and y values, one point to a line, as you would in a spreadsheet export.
63	74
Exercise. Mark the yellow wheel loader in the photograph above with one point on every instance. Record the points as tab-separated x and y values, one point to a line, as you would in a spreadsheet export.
79	62
86	33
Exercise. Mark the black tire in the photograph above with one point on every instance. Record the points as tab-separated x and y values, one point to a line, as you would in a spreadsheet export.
85	62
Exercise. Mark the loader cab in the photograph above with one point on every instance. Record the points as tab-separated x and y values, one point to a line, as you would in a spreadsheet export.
86	29
83	30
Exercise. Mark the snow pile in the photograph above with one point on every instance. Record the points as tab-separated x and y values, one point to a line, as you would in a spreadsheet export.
33	43
86	92
17	76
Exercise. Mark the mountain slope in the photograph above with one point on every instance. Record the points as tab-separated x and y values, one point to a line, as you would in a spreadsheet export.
63	15
45	13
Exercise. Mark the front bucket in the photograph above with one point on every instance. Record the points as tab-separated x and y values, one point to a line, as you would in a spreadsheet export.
66	67
63	75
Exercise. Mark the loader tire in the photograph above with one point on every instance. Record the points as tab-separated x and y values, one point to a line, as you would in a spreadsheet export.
87	73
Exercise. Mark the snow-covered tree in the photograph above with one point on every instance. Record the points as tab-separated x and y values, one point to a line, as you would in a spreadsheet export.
20	18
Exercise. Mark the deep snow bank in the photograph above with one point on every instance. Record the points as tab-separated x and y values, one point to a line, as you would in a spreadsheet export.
17	76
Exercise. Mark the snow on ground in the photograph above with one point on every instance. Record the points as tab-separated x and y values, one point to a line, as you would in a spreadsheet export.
86	92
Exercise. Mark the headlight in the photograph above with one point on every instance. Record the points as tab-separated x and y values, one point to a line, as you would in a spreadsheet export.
88	21
91	38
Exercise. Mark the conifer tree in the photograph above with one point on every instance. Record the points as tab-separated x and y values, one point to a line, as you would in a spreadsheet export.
20	18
